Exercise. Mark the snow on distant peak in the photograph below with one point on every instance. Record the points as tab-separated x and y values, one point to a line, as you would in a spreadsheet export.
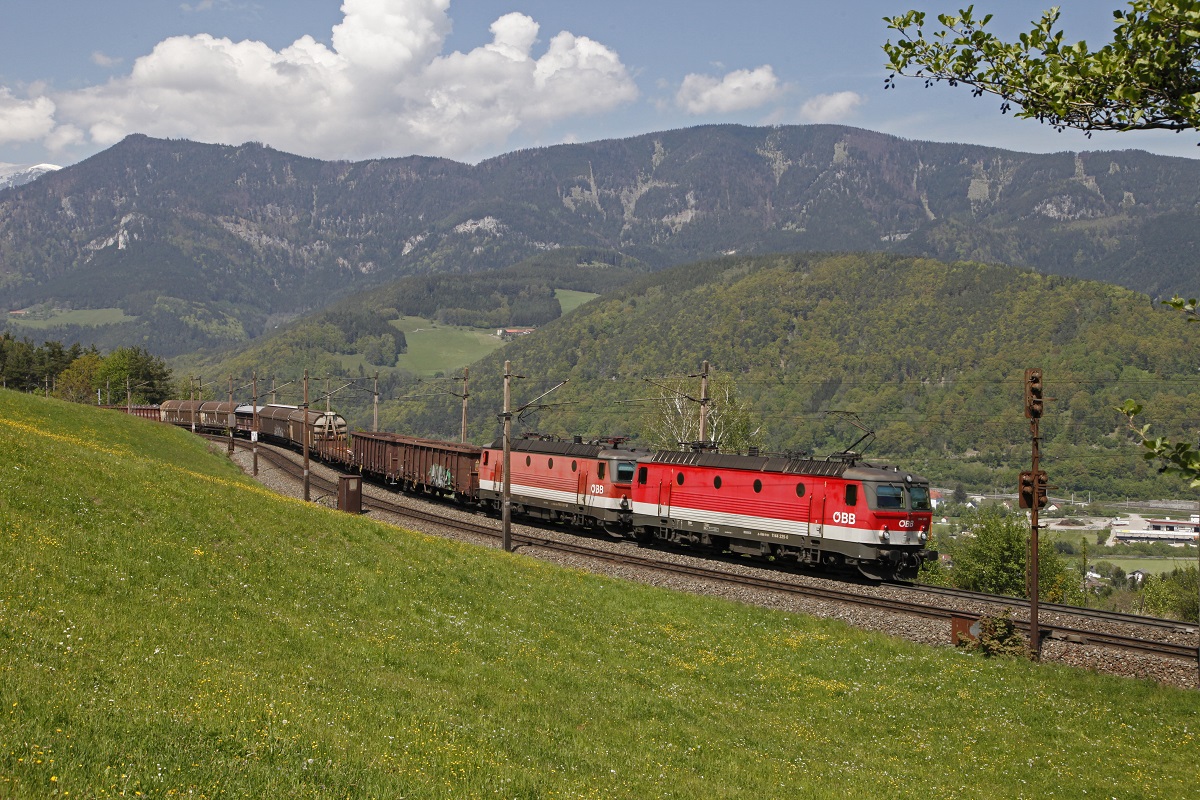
20	174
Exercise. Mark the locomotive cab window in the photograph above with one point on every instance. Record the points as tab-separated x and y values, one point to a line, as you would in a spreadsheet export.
641	475
600	470
852	494
888	497
919	496
625	472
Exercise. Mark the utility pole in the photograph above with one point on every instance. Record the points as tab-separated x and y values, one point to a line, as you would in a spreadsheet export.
704	405
304	435
506	463
230	422
463	436
254	423
375	406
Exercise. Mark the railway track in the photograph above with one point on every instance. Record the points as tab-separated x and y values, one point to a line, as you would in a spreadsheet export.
1117	617
1066	624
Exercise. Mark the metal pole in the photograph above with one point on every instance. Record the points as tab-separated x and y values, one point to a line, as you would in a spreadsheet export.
254	424
463	436
128	398
304	435
1034	632
704	403
375	407
192	396
506	490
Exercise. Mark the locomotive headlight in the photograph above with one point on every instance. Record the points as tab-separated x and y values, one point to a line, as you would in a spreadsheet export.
922	538
885	535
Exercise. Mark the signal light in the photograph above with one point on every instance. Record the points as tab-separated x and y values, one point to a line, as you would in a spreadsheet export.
1033	393
1027	488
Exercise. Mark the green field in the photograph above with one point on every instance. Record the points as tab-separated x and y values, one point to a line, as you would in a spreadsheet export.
434	348
92	317
1152	565
571	300
169	628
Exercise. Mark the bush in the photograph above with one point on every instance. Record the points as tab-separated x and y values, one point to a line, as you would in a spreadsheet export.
998	636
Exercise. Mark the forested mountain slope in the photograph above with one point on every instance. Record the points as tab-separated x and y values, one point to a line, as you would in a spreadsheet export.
204	243
929	355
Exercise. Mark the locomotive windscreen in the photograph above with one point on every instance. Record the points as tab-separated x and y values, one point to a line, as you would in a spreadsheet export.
897	497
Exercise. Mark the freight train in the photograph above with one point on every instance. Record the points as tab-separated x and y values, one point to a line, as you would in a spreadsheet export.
838	513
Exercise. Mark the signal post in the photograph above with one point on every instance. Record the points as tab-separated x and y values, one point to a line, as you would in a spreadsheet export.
1031	492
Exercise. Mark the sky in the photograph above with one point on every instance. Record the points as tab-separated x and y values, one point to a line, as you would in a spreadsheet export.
470	79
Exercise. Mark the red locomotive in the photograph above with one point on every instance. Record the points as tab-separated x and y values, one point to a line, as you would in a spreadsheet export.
589	485
832	512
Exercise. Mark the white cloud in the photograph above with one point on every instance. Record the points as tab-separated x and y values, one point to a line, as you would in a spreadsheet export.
738	91
24	120
831	107
384	87
102	60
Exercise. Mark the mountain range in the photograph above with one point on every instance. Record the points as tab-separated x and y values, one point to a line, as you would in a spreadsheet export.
204	245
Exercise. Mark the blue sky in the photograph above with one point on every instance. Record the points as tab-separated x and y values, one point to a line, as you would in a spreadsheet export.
468	79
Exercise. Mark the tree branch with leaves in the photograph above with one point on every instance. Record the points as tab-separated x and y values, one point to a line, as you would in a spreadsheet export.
1146	78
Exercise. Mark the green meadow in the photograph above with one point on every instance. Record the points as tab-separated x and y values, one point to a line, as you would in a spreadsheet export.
436	348
170	629
94	317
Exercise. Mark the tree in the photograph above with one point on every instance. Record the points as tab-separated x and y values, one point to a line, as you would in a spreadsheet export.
676	420
78	382
993	559
145	374
1147	77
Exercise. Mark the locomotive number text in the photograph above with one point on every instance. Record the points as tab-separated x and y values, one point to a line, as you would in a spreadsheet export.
843	518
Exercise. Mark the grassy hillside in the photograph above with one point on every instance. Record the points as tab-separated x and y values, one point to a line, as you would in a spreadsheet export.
168	628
